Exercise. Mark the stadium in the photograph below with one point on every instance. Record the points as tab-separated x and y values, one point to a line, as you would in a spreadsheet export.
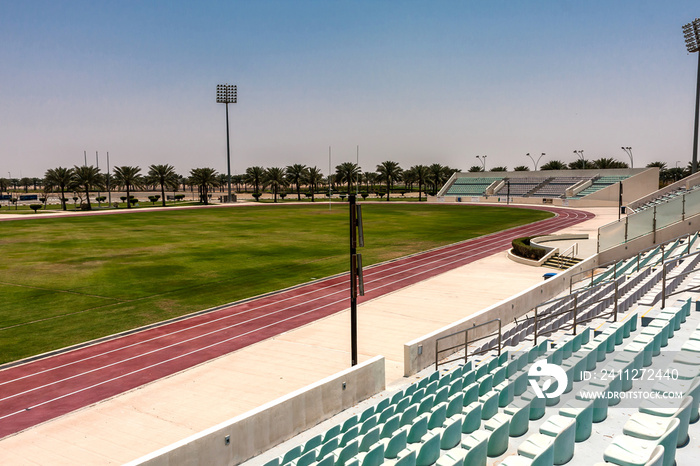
447	340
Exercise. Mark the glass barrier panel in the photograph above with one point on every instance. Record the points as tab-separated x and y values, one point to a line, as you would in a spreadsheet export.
669	212
692	203
611	235
640	224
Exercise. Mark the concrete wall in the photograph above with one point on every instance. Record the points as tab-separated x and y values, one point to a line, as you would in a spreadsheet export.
506	310
688	226
271	424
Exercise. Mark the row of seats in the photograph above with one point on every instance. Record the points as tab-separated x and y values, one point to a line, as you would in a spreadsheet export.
651	436
598	184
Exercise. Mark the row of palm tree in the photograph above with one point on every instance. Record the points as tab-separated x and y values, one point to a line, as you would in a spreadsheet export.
88	178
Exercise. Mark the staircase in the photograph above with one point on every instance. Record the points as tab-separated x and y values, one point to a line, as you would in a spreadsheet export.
561	262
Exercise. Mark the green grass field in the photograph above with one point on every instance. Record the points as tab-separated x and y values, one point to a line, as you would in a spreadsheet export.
68	280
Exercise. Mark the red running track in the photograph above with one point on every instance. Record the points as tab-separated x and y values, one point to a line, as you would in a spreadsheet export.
46	388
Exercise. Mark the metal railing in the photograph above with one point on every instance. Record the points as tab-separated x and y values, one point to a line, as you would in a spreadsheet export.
465	342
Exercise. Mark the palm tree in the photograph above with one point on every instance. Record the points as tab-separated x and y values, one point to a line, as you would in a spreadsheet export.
609	162
275	178
521	168
554	165
254	176
499	169
476	168
389	172
128	177
87	178
347	172
163	175
579	164
420	173
295	175
58	178
205	178
314	176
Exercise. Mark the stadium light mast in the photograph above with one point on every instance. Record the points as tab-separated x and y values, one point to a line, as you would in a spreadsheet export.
227	94
482	159
579	153
533	160
691	32
628	151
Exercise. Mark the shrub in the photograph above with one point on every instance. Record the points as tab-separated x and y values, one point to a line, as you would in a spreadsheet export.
522	248
283	195
133	201
364	195
257	196
35	207
179	197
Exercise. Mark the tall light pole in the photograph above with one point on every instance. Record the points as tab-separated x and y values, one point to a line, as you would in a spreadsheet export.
579	153
482	159
227	94
691	32
533	160
628	151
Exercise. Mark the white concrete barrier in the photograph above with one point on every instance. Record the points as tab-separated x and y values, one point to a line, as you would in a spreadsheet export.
420	353
247	435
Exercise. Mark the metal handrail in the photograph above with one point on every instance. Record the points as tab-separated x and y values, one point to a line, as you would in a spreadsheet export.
466	343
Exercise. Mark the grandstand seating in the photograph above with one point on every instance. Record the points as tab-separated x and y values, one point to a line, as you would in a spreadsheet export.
484	409
598	184
471	186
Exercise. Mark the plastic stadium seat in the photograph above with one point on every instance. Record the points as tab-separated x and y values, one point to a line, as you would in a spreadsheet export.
306	459
600	404
349	436
630	451
476	446
537	404
472	417
456	386
374	457
485	384
428	452
657	414
327	461
312	443
519	412
451	434
656	459
645	344
291	455
402	404
328	447
489	404
442	394
418	429
471	393
539	448
395	444
506	393
582	412
330	433
349	423
409	415
469	377
386	414
369	424
426	405
369	439
687	387
455	404
498	427
612	388
437	416
563	430
499	375
347	453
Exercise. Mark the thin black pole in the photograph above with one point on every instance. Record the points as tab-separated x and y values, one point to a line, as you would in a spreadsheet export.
697	116
353	278
228	155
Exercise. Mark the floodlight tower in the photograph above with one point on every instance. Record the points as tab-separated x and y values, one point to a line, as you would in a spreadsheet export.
482	159
628	151
691	32
533	160
579	153
227	94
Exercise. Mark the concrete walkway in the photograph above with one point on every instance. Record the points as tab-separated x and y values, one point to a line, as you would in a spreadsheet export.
151	417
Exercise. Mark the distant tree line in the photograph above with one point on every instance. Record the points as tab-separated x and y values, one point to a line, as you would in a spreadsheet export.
388	178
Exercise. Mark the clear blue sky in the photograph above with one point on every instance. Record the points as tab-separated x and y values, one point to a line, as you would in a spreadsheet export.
410	81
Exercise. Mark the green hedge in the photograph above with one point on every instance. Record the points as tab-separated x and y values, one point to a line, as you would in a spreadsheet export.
522	248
